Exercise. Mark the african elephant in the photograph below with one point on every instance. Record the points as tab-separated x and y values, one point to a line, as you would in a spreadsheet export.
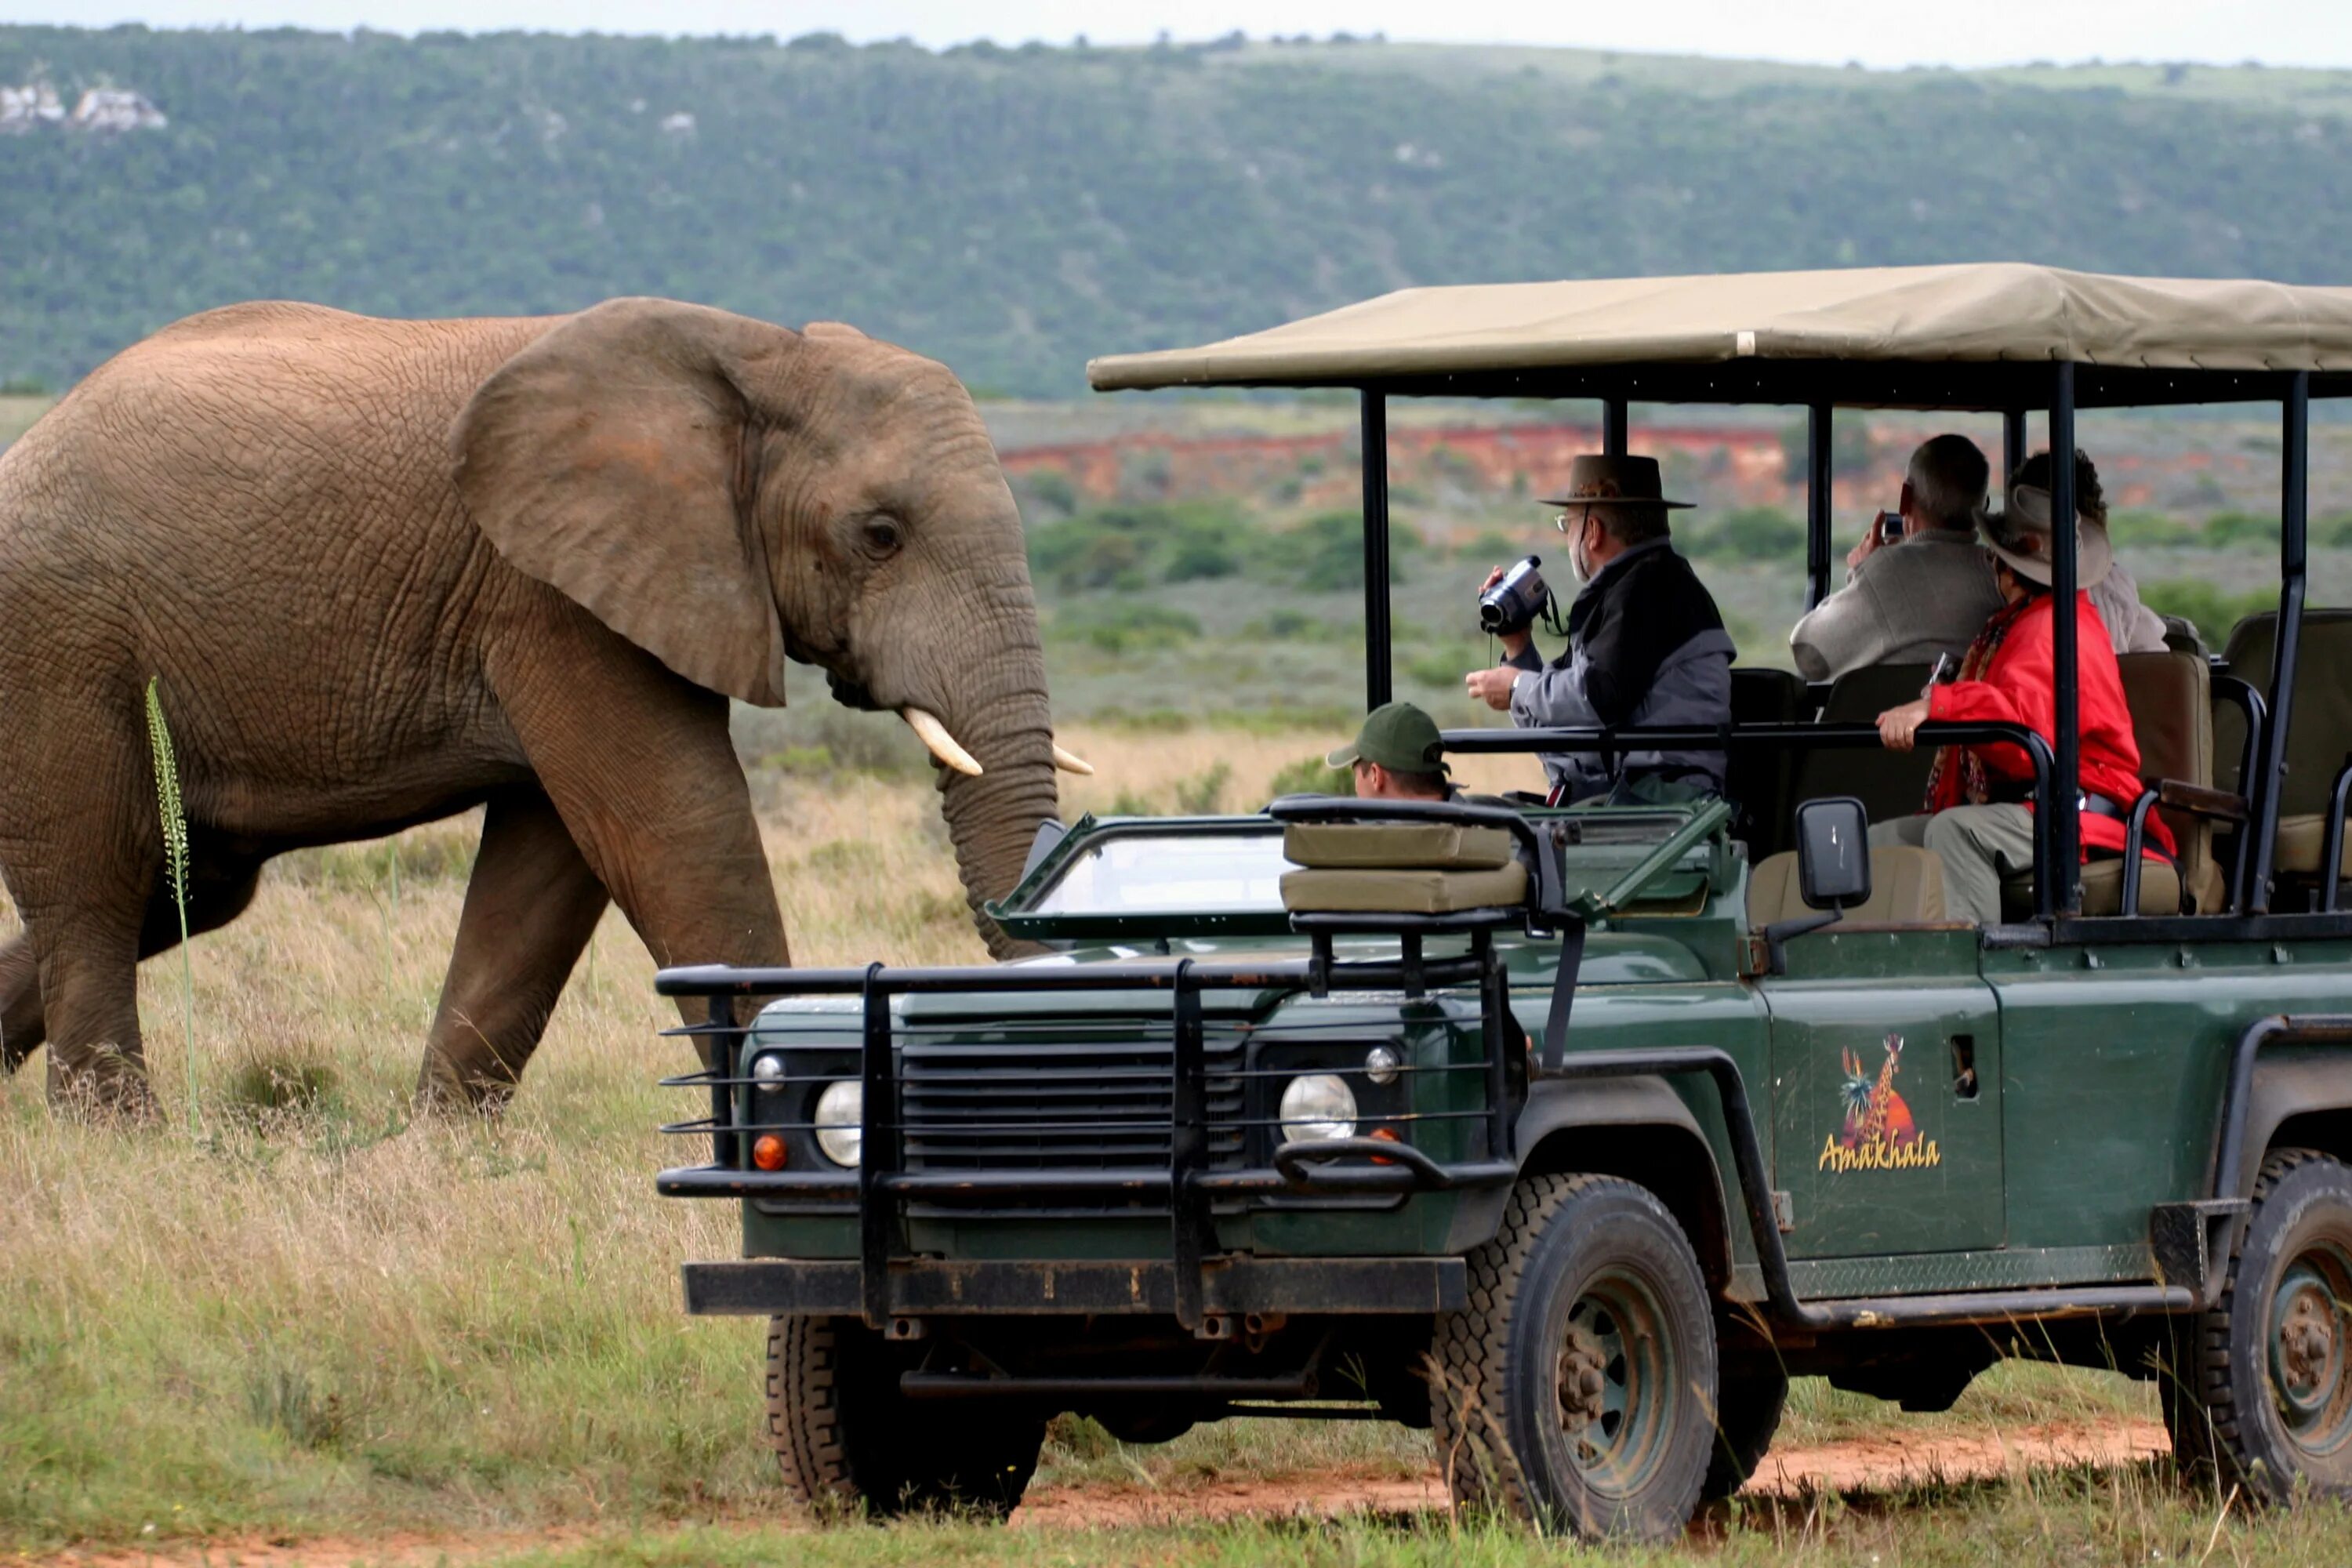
388	571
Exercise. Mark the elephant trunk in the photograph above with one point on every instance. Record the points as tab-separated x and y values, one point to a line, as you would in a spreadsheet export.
992	816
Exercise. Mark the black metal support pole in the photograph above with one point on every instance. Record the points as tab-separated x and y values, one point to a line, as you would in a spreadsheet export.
1188	1148
1377	689
2013	453
2294	444
1612	427
1820	429
719	1060
879	1153
2065	822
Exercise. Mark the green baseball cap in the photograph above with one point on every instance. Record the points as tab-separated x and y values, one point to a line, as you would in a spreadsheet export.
1398	736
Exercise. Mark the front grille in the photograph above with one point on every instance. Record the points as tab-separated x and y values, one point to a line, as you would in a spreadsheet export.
1064	1101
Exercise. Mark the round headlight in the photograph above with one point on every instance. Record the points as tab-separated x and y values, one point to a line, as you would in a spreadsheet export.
1318	1106
767	1069
840	1122
1381	1064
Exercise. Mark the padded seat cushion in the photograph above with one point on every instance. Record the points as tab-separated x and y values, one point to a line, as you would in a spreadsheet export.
1906	888
1439	845
2103	889
1403	890
2300	841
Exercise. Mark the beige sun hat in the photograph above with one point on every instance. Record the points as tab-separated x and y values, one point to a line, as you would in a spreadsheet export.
2020	535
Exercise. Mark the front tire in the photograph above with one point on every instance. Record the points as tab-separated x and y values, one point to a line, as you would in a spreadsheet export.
1749	1406
848	1441
1578	1388
2259	1395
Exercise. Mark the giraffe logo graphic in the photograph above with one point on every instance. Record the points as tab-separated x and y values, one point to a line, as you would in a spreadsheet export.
1880	1133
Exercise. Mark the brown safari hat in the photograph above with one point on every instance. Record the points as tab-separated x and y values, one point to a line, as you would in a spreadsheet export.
1594	481
2020	536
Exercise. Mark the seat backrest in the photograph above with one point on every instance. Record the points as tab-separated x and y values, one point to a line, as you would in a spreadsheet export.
2319	726
1757	777
2170	699
1906	888
1888	783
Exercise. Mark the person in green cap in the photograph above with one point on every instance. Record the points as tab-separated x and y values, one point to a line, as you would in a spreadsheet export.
1397	756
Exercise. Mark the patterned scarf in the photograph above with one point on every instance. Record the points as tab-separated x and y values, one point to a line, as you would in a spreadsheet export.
1958	776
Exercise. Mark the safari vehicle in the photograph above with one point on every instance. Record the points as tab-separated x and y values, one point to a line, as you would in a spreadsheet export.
1574	1135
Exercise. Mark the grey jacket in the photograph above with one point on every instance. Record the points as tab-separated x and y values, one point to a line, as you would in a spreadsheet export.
1645	647
1906	603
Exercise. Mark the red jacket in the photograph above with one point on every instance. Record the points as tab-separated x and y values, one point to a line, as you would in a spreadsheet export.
2016	689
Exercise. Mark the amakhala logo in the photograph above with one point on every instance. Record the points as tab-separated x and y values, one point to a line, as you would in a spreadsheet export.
1880	1133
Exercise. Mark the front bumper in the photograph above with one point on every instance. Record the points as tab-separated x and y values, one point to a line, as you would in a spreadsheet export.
1228	1287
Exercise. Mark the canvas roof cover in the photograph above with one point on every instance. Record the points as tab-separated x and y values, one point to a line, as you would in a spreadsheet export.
1977	312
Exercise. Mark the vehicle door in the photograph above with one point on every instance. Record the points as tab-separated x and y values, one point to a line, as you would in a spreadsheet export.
1886	1094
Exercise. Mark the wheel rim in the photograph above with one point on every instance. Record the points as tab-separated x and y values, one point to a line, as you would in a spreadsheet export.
2310	1344
1615	1380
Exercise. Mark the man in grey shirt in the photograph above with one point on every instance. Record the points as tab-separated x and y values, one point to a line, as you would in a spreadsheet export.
1928	594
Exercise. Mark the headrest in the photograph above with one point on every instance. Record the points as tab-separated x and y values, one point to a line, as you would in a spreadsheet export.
1438	846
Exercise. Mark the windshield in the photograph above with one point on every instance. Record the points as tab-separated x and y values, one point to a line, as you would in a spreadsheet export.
1170	873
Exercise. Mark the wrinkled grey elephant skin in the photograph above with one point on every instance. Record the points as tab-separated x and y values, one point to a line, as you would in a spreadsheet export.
389	571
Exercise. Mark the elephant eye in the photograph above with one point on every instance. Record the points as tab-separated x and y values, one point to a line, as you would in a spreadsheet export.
881	535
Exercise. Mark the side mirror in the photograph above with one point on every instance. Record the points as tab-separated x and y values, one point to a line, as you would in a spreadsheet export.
1832	870
1834	853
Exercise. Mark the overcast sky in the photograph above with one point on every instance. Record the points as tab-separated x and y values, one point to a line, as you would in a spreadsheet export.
1876	32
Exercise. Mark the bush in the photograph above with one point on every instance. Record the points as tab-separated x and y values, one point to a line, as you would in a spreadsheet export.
2213	610
1128	627
2149	530
2226	528
1127	546
1750	533
1326	553
1311	775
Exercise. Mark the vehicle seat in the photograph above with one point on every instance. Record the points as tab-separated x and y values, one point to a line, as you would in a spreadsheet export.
2169	696
1758	778
1906	888
2319	728
1394	868
1888	783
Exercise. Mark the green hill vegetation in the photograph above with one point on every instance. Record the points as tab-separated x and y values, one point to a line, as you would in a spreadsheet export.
1016	211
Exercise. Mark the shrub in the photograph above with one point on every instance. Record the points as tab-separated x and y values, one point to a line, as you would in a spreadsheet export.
1326	552
2144	530
1128	627
1311	775
1204	793
1750	533
2226	528
2213	610
1127	546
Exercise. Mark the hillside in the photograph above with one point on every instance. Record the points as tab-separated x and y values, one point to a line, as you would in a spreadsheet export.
1014	212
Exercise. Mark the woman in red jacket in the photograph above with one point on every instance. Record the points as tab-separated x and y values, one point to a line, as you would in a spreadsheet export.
1976	817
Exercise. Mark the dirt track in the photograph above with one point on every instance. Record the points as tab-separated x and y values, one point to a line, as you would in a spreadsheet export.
1875	1464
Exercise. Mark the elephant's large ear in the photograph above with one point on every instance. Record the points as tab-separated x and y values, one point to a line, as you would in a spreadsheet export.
610	458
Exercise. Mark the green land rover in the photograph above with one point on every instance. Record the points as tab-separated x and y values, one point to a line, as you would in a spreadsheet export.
1573	1134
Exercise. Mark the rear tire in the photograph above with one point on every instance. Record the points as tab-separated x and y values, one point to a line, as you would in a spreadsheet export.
1578	1388
1749	1404
2259	1396
848	1442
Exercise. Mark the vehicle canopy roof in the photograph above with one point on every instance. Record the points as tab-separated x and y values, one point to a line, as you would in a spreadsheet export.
1969	313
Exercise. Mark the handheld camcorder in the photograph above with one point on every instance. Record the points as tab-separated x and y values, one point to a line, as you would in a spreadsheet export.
1514	601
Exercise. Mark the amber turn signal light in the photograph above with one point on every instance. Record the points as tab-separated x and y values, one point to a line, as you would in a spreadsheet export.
1386	1134
769	1153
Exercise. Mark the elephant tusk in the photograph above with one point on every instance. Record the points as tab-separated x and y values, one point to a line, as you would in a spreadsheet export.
943	746
1071	763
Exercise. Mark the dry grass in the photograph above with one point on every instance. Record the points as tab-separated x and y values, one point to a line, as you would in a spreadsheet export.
317	1318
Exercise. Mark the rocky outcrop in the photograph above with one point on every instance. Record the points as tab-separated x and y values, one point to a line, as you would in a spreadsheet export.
100	111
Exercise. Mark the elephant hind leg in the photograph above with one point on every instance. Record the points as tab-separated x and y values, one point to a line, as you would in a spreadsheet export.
530	907
221	883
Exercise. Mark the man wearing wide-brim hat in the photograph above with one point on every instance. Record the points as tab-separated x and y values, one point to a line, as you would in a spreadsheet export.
1975	816
1646	643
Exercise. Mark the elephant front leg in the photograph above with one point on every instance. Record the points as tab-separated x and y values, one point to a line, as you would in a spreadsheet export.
530	907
